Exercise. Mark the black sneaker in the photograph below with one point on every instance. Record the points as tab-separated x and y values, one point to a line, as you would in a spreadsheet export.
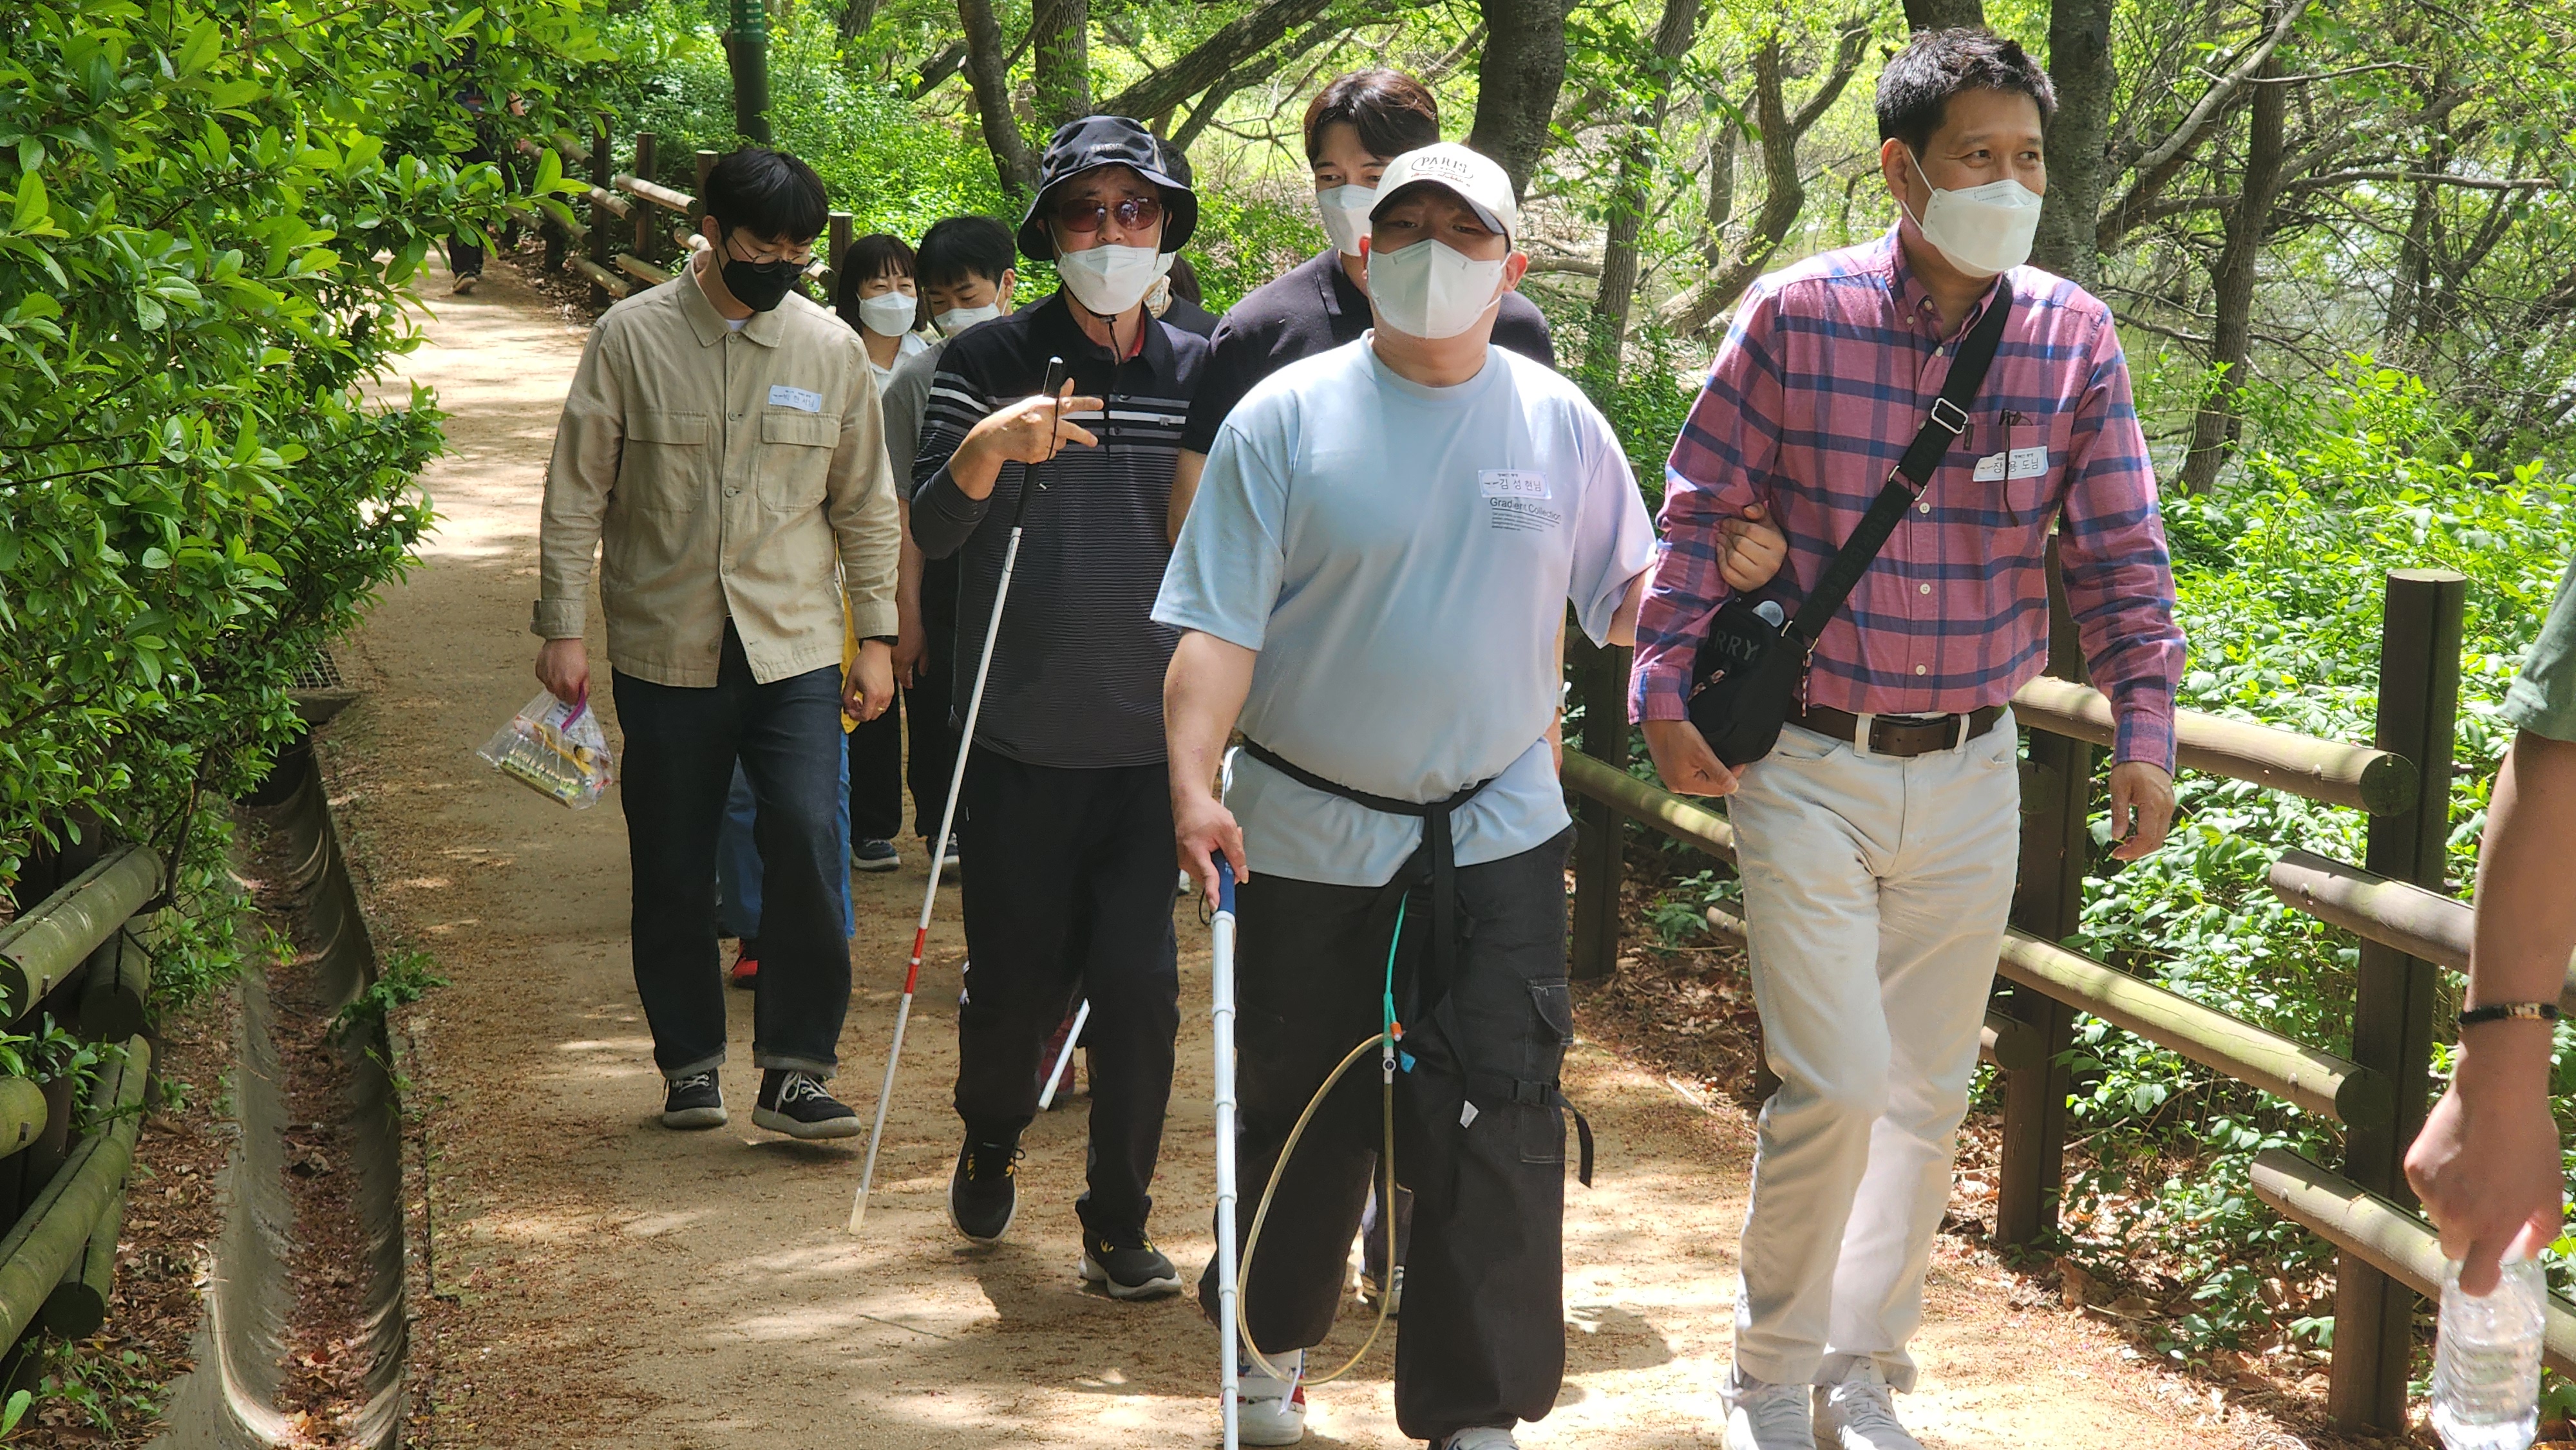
795	1103
875	855
948	852
984	1192
1128	1265
693	1102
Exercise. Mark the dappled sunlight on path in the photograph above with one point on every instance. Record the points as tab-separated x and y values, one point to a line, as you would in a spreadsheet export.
602	1282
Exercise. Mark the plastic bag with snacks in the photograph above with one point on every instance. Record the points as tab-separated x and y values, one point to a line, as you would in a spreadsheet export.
555	749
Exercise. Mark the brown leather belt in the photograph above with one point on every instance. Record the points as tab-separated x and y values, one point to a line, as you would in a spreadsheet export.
1900	736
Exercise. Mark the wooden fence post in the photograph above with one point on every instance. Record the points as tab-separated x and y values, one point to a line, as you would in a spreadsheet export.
1601	681
603	175
844	228
2057	796
2392	1015
645	215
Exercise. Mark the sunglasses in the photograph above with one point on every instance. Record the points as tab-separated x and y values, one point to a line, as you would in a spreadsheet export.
1083	215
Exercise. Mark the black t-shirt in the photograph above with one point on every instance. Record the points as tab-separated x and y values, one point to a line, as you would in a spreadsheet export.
1311	310
1188	316
1077	677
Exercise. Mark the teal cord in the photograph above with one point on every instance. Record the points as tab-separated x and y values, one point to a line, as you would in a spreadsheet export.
1389	1029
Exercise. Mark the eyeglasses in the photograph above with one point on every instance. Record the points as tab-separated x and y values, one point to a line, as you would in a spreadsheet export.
1082	215
736	243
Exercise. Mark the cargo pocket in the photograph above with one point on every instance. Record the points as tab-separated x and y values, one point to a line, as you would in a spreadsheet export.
795	458
1551	1031
666	460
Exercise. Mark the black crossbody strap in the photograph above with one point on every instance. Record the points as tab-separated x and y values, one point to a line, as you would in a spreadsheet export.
1913	472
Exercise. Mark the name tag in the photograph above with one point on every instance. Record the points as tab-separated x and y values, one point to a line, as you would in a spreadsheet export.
806	401
2020	463
1512	483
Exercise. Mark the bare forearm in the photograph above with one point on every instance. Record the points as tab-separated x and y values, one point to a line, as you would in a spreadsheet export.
1185	487
2526	916
1623	624
1203	694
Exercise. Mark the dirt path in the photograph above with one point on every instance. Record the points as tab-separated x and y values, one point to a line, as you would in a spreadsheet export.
599	1282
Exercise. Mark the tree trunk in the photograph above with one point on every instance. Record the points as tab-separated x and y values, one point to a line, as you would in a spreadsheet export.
2214	430
989	72
2079	61
1944	14
1063	60
1733	266
856	17
1517	83
1632	190
747	53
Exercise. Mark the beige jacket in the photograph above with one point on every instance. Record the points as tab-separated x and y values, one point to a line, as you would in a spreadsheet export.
719	472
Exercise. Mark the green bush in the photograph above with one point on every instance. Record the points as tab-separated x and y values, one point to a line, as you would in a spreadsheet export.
2281	577
209	219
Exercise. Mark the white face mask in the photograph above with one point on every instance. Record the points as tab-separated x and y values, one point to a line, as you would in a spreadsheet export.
957	319
888	314
1428	290
1983	230
1110	278
1346	215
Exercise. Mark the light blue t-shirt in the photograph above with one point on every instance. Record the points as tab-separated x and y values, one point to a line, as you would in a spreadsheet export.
1401	557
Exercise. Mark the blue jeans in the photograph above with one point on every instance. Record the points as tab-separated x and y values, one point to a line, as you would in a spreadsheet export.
738	859
681	747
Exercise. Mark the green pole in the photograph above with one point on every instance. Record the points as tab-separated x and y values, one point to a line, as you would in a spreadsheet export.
747	46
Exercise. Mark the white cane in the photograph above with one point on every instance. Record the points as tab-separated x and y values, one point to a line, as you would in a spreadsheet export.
1064	1059
1221	1017
1055	379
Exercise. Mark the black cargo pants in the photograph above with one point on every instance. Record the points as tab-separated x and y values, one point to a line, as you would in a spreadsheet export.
1482	1338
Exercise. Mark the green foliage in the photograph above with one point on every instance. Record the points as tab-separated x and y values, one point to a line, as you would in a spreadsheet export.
402	979
209	216
2281	579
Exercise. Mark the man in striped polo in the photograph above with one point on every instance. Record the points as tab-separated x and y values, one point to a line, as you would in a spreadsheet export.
1067	823
1879	839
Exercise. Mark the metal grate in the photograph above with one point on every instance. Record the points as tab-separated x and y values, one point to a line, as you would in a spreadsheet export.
319	673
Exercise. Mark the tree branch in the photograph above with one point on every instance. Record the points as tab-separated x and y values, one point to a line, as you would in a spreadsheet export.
1207	63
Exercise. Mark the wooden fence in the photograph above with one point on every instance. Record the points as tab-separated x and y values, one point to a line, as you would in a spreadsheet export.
76	957
2395	901
640	230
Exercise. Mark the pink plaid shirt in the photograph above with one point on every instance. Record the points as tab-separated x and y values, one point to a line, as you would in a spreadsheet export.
1824	378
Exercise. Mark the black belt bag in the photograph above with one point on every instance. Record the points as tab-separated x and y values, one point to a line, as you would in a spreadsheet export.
1751	669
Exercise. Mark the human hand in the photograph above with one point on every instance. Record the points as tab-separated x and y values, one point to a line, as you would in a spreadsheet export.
1685	762
1202	827
2142	808
1750	550
1031	430
563	667
867	688
2486	1164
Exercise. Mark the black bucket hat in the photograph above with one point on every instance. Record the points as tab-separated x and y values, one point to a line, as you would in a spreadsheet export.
1096	141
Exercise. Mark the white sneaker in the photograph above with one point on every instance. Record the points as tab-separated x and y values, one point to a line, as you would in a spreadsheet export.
1271	1411
1856	1414
1766	1417
1481	1438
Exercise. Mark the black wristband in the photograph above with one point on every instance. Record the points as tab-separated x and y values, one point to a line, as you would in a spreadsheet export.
2534	1011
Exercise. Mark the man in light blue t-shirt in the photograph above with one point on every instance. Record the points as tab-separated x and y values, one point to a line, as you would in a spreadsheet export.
1372	582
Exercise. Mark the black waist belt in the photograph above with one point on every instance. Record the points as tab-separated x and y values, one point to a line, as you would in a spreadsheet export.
1437	841
1441	847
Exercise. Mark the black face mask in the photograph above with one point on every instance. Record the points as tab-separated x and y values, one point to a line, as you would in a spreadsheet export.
760	286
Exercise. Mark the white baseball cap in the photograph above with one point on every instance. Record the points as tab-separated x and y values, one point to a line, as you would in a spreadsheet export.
1471	176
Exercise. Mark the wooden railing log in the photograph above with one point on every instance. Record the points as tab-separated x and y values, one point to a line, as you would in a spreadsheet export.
41	948
2356	776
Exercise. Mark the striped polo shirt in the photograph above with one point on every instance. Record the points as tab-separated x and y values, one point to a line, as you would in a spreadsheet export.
1077	677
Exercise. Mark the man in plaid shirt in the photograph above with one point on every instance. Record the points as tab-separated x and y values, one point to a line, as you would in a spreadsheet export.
1878	841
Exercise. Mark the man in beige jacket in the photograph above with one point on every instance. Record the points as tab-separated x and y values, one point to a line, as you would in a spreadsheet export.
723	452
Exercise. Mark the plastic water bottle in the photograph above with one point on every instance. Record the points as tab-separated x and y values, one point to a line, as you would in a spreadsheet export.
2486	1363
